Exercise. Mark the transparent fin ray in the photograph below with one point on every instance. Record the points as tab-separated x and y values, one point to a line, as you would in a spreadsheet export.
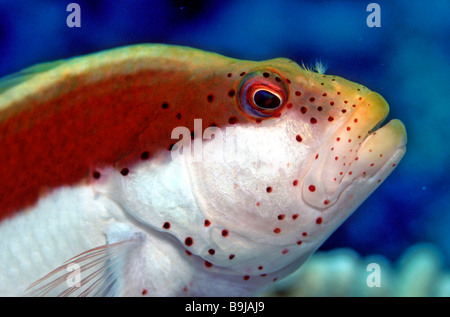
92	273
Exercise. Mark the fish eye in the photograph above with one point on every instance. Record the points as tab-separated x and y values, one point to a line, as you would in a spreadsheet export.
262	94
265	99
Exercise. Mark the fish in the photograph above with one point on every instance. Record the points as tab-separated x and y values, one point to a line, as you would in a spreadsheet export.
164	170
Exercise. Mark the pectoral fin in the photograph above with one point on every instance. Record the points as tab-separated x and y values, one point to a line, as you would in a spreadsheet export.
95	272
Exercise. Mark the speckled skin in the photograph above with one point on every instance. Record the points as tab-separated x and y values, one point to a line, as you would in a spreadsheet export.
101	169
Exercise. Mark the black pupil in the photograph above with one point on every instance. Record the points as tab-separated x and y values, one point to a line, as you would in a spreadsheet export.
266	100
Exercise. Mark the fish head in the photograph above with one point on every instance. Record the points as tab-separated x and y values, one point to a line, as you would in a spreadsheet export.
304	154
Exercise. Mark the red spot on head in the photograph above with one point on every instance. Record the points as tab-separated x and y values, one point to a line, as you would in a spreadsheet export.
277	230
124	171
326	202
319	220
166	225
285	251
312	99
313	120
210	98
294	216
188	241
246	277
348	128
207	223
269	189
295	182
281	217
188	252
225	232
298	138
330	118
208	264
304	234
258	204
312	188
260	267
338	139
299	242
231	256
232	120
298	93
211	251
231	93
144	292
96	174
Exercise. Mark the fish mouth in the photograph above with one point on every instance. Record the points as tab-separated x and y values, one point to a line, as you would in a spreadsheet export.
357	150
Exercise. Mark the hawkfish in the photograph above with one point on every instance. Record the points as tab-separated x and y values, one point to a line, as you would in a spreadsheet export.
159	170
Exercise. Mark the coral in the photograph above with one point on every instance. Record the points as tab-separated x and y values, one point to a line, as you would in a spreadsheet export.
342	272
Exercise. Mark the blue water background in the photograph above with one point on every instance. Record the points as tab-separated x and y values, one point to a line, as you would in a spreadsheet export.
406	60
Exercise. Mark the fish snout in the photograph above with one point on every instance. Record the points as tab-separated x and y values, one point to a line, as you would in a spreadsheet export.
355	150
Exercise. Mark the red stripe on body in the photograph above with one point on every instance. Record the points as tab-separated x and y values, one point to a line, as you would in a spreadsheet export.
57	142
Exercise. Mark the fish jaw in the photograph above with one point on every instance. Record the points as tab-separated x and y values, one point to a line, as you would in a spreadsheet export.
354	151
